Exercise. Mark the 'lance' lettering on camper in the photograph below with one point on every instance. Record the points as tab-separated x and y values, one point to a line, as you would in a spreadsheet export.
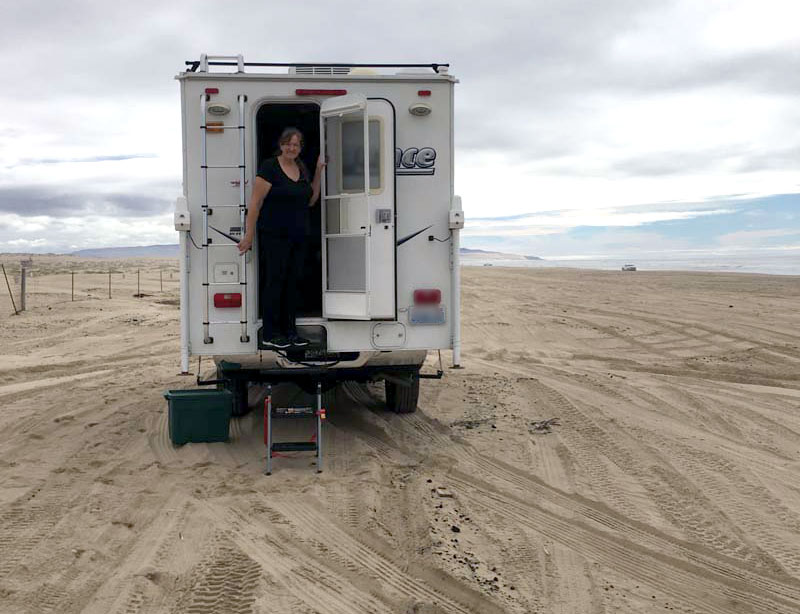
415	161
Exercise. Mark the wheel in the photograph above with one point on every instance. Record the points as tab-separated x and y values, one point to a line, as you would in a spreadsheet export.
329	398
403	399
239	389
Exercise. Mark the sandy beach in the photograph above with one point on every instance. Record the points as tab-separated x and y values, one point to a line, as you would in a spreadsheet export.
668	481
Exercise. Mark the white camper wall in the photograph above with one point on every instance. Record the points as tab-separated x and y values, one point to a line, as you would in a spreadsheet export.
424	192
423	187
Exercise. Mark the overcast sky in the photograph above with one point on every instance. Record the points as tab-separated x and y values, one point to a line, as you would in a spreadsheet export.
571	114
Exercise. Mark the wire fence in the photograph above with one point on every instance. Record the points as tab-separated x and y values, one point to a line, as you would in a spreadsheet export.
46	288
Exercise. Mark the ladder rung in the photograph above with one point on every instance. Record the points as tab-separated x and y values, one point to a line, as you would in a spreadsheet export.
207	166
294	446
224	206
224	322
222	245
227	283
207	127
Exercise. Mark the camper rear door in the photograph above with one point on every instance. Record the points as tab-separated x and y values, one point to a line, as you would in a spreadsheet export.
358	209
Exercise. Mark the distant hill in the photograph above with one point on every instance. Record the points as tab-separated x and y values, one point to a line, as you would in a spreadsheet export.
142	251
171	251
487	255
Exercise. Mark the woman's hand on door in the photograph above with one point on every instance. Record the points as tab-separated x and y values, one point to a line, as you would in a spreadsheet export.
315	183
245	243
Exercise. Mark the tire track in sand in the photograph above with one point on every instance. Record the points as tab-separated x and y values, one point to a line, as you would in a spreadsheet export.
224	581
593	514
335	569
713	590
325	590
679	500
48	382
731	489
366	554
670	556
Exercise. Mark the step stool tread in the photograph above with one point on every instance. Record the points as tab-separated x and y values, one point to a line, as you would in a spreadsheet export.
294	446
293	412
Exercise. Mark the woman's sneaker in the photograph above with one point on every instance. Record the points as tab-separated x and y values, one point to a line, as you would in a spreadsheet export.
298	341
279	343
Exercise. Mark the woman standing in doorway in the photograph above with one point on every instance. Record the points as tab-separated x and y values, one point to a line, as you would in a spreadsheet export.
278	210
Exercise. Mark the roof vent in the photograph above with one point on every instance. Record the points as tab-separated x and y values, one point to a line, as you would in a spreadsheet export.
319	70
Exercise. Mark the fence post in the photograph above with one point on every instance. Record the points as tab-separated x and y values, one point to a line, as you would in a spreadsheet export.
72	273
109	284
10	293
22	274
138	288
161	279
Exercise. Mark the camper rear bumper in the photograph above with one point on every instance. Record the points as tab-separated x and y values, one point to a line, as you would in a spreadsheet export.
269	361
369	366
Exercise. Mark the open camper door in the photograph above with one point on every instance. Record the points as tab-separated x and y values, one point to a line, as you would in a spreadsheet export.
358	209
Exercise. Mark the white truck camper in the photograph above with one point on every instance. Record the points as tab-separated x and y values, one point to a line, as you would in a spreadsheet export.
381	279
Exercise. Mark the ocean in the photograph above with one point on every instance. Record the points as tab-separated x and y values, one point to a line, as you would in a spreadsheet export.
783	262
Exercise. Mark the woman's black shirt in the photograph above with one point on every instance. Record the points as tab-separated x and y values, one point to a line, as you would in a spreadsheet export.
284	212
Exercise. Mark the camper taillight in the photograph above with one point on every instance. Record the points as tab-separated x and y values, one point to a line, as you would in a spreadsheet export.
427	297
228	300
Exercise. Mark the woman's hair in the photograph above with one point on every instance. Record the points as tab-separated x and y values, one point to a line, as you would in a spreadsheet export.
285	137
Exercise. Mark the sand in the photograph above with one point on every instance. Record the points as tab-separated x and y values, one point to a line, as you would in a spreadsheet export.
668	482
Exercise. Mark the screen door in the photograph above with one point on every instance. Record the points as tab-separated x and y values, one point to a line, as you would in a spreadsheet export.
358	245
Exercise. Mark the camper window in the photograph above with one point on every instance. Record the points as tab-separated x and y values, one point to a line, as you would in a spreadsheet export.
352	156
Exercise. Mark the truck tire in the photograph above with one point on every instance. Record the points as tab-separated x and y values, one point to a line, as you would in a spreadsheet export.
329	398
240	405
239	389
403	399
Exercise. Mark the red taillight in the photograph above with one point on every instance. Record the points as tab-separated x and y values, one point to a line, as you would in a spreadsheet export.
320	92
228	300
424	93
427	297
212	90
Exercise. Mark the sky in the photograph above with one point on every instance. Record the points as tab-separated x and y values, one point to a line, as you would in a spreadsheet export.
582	127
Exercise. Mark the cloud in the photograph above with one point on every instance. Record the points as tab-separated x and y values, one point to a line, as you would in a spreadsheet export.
727	226
561	106
48	234
757	238
106	158
536	224
34	202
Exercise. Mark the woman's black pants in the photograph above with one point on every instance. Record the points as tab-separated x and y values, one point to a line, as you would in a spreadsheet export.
280	268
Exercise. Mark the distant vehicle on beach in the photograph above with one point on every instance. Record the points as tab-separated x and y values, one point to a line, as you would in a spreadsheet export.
628	267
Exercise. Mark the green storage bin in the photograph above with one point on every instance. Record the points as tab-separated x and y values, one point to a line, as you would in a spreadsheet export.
199	415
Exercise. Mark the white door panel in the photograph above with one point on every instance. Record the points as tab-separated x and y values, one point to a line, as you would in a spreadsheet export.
358	237
382	301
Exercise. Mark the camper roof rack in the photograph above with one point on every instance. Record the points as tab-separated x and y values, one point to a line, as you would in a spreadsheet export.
205	61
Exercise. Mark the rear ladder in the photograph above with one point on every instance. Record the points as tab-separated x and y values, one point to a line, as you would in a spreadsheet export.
207	210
